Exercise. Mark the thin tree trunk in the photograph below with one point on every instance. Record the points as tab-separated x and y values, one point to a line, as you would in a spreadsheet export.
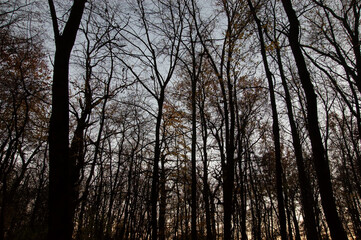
205	174
213	212
193	157
275	128
163	201
241	126
295	222
307	200
97	152
154	189
288	212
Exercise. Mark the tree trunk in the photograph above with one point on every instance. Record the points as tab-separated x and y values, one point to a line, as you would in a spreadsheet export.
193	159
60	197
60	220
319	156
307	200
205	174
295	222
154	190
163	201
275	128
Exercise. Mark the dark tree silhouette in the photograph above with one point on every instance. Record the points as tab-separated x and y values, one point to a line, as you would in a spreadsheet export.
275	127
319	155
60	184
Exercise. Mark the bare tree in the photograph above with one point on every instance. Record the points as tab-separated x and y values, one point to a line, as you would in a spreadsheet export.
153	53
319	155
60	197
275	127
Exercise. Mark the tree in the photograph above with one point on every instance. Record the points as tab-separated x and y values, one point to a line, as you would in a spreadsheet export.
336	40
306	191
275	127
319	155
193	70
221	60
60	185
169	120
23	122
153	54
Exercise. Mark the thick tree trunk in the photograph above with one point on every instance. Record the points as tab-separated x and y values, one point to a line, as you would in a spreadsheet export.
319	157
60	187
60	203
